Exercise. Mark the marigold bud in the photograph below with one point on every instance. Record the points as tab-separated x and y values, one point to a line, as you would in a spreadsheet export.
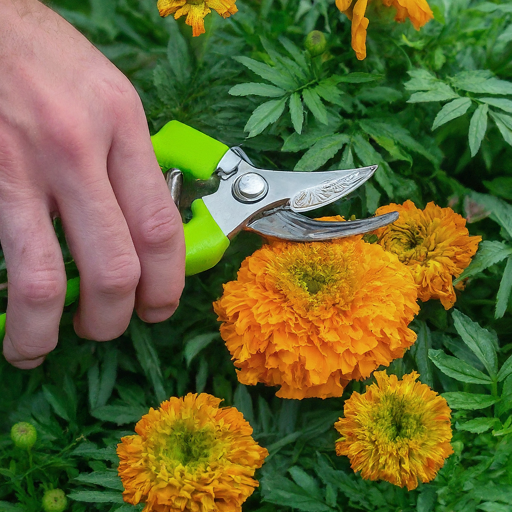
24	435
54	500
315	43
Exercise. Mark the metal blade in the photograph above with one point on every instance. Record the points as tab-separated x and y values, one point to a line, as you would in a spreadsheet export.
287	225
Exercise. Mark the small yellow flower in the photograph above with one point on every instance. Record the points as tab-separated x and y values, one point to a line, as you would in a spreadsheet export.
434	243
398	431
190	455
309	317
196	10
418	11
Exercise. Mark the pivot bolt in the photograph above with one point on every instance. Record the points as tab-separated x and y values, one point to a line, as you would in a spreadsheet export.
250	188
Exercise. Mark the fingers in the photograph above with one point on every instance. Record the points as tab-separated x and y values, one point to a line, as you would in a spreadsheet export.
101	245
37	282
153	219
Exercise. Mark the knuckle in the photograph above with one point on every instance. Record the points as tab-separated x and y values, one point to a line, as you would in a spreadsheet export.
160	228
120	277
42	286
123	98
30	350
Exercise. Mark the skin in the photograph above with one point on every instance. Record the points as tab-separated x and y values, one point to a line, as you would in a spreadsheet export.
74	143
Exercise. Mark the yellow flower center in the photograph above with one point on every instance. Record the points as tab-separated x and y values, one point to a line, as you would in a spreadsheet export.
316	276
185	445
195	2
406	243
396	418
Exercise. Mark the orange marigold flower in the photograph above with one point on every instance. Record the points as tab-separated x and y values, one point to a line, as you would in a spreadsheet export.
418	11
434	243
309	317
398	431
190	455
196	10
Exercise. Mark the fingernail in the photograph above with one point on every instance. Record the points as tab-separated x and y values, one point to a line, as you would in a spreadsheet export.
155	315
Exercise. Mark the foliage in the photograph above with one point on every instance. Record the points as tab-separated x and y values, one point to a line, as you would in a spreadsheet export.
434	109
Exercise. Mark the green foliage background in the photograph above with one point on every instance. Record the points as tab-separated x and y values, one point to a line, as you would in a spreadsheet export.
434	110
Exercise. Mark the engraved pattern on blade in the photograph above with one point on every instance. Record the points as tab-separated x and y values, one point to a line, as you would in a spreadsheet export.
326	192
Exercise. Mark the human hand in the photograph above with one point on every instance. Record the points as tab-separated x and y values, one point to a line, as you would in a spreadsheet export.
74	143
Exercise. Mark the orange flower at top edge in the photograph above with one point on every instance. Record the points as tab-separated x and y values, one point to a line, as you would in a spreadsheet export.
190	455
434	243
196	10
398	431
309	317
418	11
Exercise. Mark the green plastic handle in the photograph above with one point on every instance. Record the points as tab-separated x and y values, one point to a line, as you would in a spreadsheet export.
197	155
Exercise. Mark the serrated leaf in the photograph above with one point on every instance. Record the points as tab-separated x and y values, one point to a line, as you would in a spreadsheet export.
109	479
294	51
479	81
481	342
148	357
477	128
268	73
91	451
321	152
457	369
505	131
469	401
97	496
505	370
500	103
257	89
450	111
500	186
422	80
489	253
198	343
478	425
505	404
267	113
296	112
305	481
489	506
504	290
501	211
329	92
56	398
442	92
243	402
178	56
315	105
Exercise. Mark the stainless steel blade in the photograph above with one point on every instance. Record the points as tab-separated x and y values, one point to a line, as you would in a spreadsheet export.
291	226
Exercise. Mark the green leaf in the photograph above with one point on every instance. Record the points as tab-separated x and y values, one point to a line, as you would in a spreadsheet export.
314	103
5	506
477	128
479	82
178	57
268	73
501	211
119	414
422	80
442	92
97	496
500	103
505	131
489	253
109	479
481	342
321	152
500	186
279	490
504	290
101	383
356	78
452	110
294	51
505	370
478	425
256	89
490	491
243	402
420	351
469	401
56	398
267	113
148	357
489	506
198	343
296	112
457	369
327	90
89	450
299	142
505	404
306	482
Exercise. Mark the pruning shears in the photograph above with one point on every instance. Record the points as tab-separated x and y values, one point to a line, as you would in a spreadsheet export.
268	202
